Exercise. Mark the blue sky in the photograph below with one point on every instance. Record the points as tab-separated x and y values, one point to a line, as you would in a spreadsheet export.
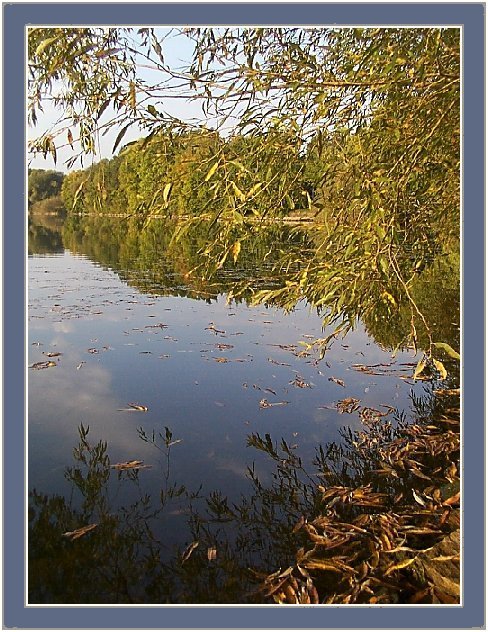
177	53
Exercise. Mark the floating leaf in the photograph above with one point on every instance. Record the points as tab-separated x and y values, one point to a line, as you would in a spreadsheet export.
189	550
418	498
140	407
337	381
51	354
399	565
42	365
77	533
130	465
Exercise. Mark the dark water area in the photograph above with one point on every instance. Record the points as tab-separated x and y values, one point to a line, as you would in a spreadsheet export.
116	327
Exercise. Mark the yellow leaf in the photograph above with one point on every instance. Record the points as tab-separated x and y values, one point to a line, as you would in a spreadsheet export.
396	567
132	95
213	169
45	43
419	368
390	298
441	368
238	192
236	249
166	192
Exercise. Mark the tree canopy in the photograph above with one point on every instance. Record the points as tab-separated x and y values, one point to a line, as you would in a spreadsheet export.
365	120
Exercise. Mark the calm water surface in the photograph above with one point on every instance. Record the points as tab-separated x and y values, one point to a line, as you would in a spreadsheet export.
201	367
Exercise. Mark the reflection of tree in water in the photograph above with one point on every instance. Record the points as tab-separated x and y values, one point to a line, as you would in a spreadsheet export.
44	234
358	528
148	258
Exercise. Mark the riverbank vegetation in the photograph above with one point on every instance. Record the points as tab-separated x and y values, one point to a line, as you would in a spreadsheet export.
358	131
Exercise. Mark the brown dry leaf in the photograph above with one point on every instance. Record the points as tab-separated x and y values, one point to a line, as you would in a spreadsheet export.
52	354
418	498
189	550
337	381
300	383
399	565
299	524
77	533
130	465
211	554
140	407
348	405
278	363
453	500
223	360
42	365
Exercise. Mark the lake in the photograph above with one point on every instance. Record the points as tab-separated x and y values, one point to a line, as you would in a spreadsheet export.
135	364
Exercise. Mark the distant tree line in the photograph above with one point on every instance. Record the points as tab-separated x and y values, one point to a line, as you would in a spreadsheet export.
173	175
44	190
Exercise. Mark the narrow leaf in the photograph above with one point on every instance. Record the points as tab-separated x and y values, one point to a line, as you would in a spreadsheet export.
448	349
213	169
419	368
167	191
440	367
120	136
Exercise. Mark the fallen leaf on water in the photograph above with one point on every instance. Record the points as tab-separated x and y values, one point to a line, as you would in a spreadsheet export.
51	354
265	404
211	553
300	383
212	327
399	565
337	381
130	465
278	363
189	550
348	405
222	360
453	500
43	365
418	498
140	407
77	533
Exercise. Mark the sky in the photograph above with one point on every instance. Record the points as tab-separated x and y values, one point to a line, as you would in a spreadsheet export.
177	52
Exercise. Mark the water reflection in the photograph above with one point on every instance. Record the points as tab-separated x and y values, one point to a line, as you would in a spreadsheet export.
131	325
230	546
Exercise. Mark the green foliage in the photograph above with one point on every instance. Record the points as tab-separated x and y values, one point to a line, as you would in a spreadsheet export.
360	126
43	185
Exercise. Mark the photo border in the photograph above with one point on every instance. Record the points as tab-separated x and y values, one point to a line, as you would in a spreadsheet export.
471	17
